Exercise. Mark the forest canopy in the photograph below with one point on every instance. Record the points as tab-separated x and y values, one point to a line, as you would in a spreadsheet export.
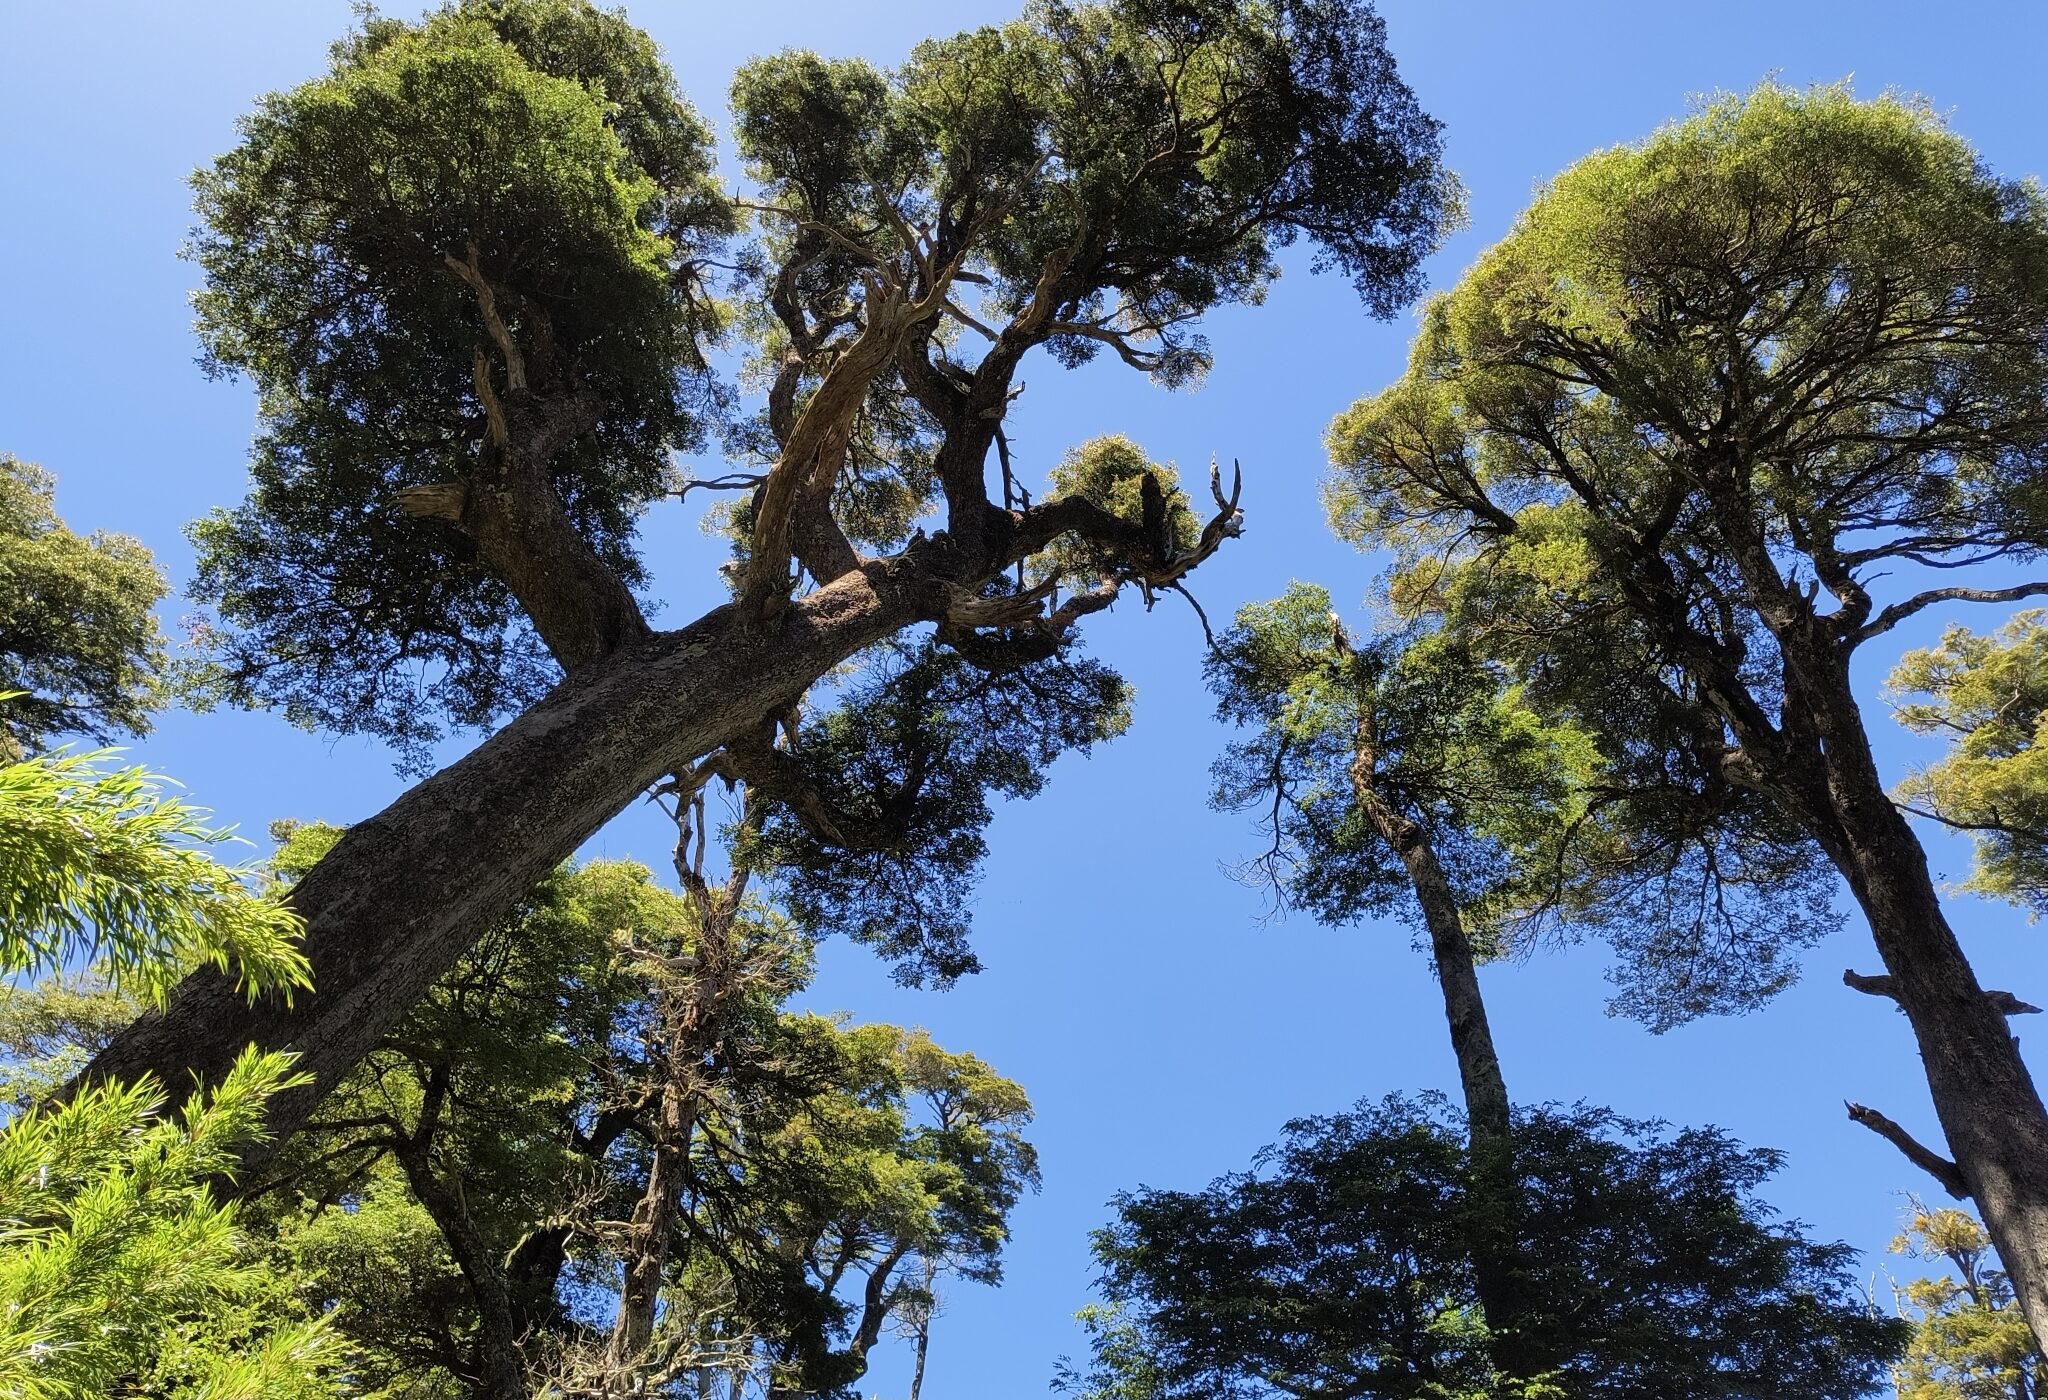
449	1099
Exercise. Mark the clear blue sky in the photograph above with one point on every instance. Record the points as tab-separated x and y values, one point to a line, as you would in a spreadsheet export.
1163	1032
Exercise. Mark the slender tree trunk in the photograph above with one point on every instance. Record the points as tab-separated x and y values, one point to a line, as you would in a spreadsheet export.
924	1337
924	1330
1989	1109
496	1361
404	892
1494	1212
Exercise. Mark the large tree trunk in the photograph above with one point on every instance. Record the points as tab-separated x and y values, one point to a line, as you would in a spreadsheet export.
1986	1101
404	892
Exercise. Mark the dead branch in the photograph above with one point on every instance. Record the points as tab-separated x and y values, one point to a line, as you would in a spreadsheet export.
1934	1164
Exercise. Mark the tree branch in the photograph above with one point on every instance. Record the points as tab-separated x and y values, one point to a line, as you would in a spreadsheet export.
1940	1168
1899	612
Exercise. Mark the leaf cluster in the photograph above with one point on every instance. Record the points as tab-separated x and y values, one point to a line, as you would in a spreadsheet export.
101	861
1988	696
907	763
118	1268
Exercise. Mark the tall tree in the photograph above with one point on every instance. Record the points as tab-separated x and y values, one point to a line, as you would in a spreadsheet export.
1690	422
1388	770
466	272
1406	772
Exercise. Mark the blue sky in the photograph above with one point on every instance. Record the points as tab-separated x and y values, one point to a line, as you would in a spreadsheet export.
1164	1032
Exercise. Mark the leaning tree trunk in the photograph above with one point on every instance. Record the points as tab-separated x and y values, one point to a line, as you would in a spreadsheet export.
404	892
1985	1099
1493	1215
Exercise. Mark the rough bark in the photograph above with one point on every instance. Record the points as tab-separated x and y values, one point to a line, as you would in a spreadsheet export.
1986	1101
578	607
404	892
1818	760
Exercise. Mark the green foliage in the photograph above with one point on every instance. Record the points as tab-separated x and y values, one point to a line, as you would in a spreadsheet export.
1445	741
78	640
102	862
116	1266
515	1100
1339	1265
906	764
1301	123
1775	349
50	1027
535	144
1111	472
1969	1340
1988	695
1542	826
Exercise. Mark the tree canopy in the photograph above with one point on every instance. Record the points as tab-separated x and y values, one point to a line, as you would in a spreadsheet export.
1340	1265
80	649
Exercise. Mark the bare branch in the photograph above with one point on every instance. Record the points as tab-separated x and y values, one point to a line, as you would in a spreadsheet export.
1935	1165
487	302
731	481
1899	612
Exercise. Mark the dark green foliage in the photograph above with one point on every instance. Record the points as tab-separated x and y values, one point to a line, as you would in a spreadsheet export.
1337	1266
906	765
542	143
1104	173
78	641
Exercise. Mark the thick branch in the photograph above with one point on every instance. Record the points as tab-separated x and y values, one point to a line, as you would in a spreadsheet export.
494	324
475	837
1940	1168
2004	1003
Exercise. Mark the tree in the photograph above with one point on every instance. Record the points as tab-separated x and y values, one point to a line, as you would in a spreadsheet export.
1337	1266
1405	772
1677	427
601	1157
470	385
1390	770
1987	696
1969	1340
118	1268
78	641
